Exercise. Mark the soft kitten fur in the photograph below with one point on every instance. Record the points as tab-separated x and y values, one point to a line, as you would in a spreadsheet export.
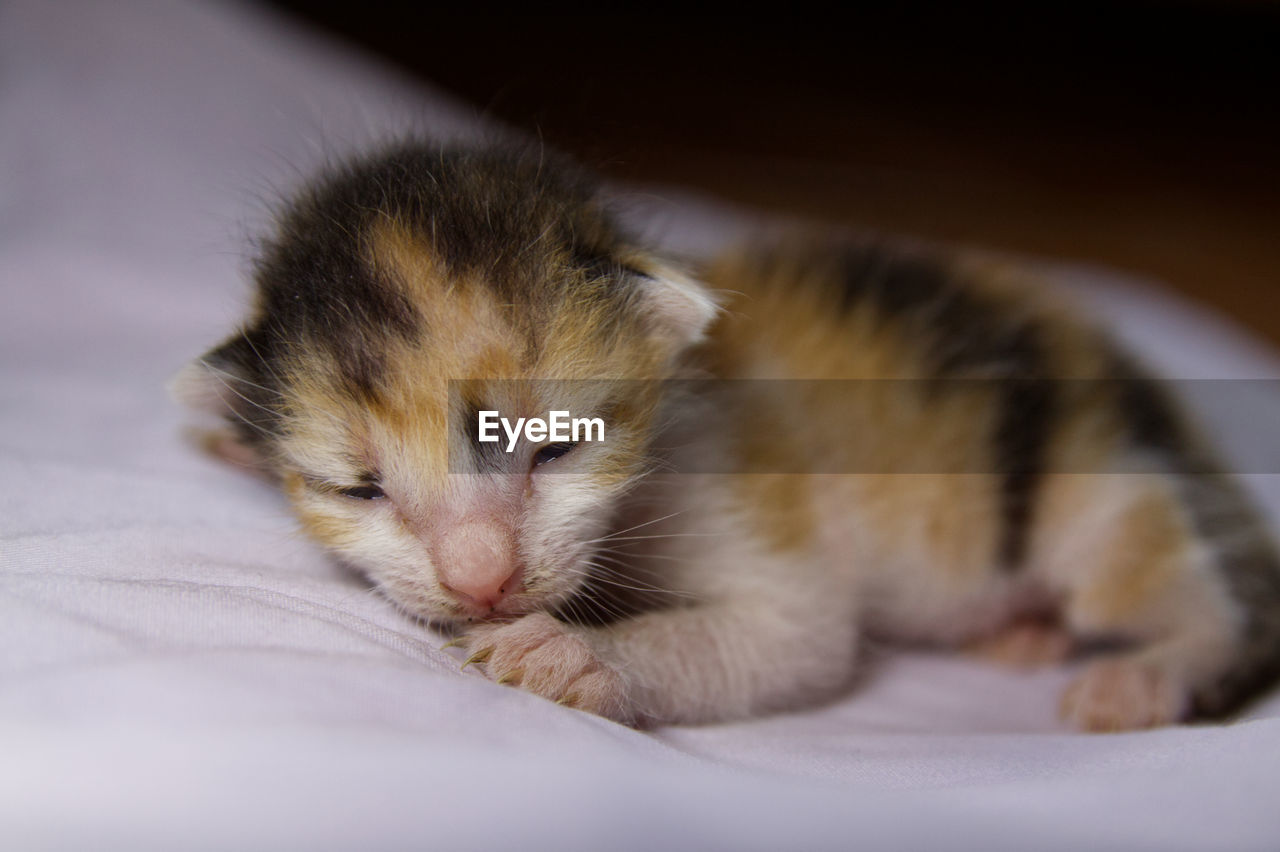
1054	499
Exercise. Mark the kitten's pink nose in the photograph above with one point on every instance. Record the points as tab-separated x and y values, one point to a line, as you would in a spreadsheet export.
474	563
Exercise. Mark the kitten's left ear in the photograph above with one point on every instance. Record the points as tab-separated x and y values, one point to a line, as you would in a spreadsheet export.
678	304
215	383
209	383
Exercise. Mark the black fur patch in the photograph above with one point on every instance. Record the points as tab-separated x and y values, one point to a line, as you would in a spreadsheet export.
969	338
243	365
524	224
316	290
1022	435
490	457
1152	420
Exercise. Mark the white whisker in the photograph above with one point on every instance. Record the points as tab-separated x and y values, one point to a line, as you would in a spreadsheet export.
636	527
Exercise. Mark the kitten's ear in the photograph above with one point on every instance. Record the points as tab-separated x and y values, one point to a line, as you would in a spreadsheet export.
679	304
217	383
210	383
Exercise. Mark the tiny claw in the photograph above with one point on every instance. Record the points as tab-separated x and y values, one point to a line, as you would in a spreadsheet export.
478	657
452	643
570	700
510	676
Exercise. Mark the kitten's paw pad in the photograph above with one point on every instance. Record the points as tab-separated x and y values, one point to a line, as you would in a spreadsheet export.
1124	695
1025	645
541	655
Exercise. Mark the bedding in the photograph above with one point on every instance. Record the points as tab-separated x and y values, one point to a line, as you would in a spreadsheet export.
180	670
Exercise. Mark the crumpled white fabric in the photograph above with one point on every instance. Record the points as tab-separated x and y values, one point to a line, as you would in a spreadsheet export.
180	670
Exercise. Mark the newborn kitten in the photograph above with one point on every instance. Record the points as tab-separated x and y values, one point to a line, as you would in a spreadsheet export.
987	470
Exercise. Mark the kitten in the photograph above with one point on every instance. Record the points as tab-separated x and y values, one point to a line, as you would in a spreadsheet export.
949	457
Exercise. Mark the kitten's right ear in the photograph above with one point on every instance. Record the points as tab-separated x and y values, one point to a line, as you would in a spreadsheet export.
681	307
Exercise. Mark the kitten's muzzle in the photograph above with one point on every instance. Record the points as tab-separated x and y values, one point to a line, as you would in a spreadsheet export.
476	565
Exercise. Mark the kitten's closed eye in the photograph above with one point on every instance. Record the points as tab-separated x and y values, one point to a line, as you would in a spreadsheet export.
363	492
551	452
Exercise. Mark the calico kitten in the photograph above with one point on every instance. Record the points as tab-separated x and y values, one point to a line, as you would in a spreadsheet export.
896	443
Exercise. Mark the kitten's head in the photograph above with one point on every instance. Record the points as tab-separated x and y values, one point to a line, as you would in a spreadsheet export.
402	295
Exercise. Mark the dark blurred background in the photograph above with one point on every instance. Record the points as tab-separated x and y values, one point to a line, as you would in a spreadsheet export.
1140	135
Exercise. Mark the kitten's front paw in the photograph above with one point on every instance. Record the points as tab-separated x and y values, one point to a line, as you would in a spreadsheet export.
1124	694
545	657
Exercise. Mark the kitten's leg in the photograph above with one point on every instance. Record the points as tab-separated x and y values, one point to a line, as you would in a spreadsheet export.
735	658
740	655
1145	577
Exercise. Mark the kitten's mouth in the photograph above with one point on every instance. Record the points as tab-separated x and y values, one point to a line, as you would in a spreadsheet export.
519	597
510	606
521	604
507	609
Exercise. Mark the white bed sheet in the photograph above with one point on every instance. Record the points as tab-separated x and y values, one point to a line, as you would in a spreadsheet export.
178	669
